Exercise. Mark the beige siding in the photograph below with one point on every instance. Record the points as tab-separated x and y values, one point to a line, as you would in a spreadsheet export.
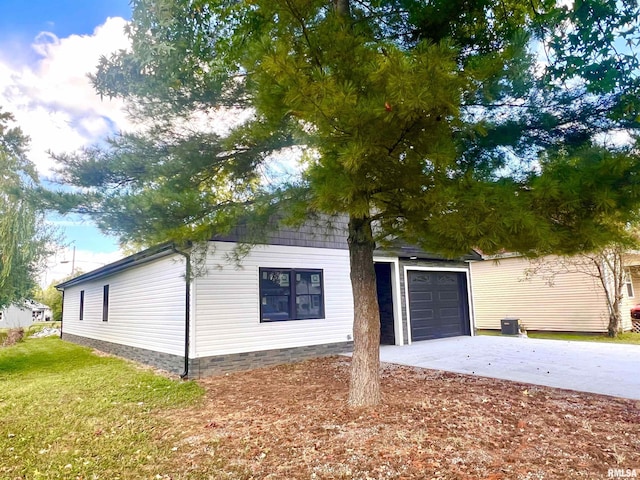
226	301
575	302
146	307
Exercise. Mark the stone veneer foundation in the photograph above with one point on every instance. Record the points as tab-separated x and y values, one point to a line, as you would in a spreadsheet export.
207	366
216	365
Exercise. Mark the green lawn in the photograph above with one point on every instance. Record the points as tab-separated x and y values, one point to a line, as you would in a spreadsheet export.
628	337
67	413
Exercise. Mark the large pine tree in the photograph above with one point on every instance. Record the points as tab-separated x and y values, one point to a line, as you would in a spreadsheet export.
429	121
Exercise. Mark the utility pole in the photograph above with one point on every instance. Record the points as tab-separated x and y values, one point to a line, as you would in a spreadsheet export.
73	261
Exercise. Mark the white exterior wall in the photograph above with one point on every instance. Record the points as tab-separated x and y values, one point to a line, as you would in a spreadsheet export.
14	317
146	307
575	302
226	301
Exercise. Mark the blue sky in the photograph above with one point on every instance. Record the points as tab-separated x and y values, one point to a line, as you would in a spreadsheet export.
46	50
21	21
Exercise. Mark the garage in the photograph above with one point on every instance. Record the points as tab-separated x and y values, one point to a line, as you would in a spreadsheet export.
438	304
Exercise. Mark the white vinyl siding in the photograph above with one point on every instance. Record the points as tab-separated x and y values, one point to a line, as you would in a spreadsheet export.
575	302
146	307
226	301
15	316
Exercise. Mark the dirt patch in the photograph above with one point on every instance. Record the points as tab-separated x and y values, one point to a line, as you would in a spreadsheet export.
13	336
292	422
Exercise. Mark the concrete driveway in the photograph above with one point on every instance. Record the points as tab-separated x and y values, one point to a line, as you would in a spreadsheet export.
609	369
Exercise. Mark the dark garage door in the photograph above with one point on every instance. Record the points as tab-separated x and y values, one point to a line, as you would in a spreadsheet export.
438	304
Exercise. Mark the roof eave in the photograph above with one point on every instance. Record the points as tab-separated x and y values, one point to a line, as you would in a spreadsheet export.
144	256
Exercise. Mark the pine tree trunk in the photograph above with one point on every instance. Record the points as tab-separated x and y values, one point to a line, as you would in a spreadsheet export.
364	389
342	7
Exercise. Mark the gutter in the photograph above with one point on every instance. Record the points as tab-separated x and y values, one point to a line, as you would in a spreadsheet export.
187	310
61	313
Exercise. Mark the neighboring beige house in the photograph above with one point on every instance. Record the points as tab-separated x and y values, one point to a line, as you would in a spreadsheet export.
573	302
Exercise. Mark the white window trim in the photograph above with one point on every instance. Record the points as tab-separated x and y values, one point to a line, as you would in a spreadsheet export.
395	294
628	283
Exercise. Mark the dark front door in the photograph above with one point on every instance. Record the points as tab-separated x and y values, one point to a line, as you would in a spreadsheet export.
385	301
438	304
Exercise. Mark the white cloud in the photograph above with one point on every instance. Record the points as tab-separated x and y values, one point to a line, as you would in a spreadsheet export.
53	99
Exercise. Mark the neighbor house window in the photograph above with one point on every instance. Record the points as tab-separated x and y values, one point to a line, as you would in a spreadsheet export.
105	303
81	304
291	294
628	281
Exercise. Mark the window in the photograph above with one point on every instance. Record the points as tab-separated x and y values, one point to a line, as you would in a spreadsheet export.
290	294
105	303
628	281
81	304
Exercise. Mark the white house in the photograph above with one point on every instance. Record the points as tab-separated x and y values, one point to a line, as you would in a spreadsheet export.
41	312
286	300
15	316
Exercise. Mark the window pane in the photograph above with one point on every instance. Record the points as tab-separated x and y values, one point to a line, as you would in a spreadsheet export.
308	306
105	303
308	282
275	307
275	282
309	294
629	283
81	304
290	294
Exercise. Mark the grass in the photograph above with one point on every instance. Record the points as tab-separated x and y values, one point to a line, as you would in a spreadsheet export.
68	413
627	337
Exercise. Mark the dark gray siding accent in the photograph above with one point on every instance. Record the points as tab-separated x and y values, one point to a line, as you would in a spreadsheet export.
322	232
404	250
164	361
419	263
318	235
328	232
216	365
